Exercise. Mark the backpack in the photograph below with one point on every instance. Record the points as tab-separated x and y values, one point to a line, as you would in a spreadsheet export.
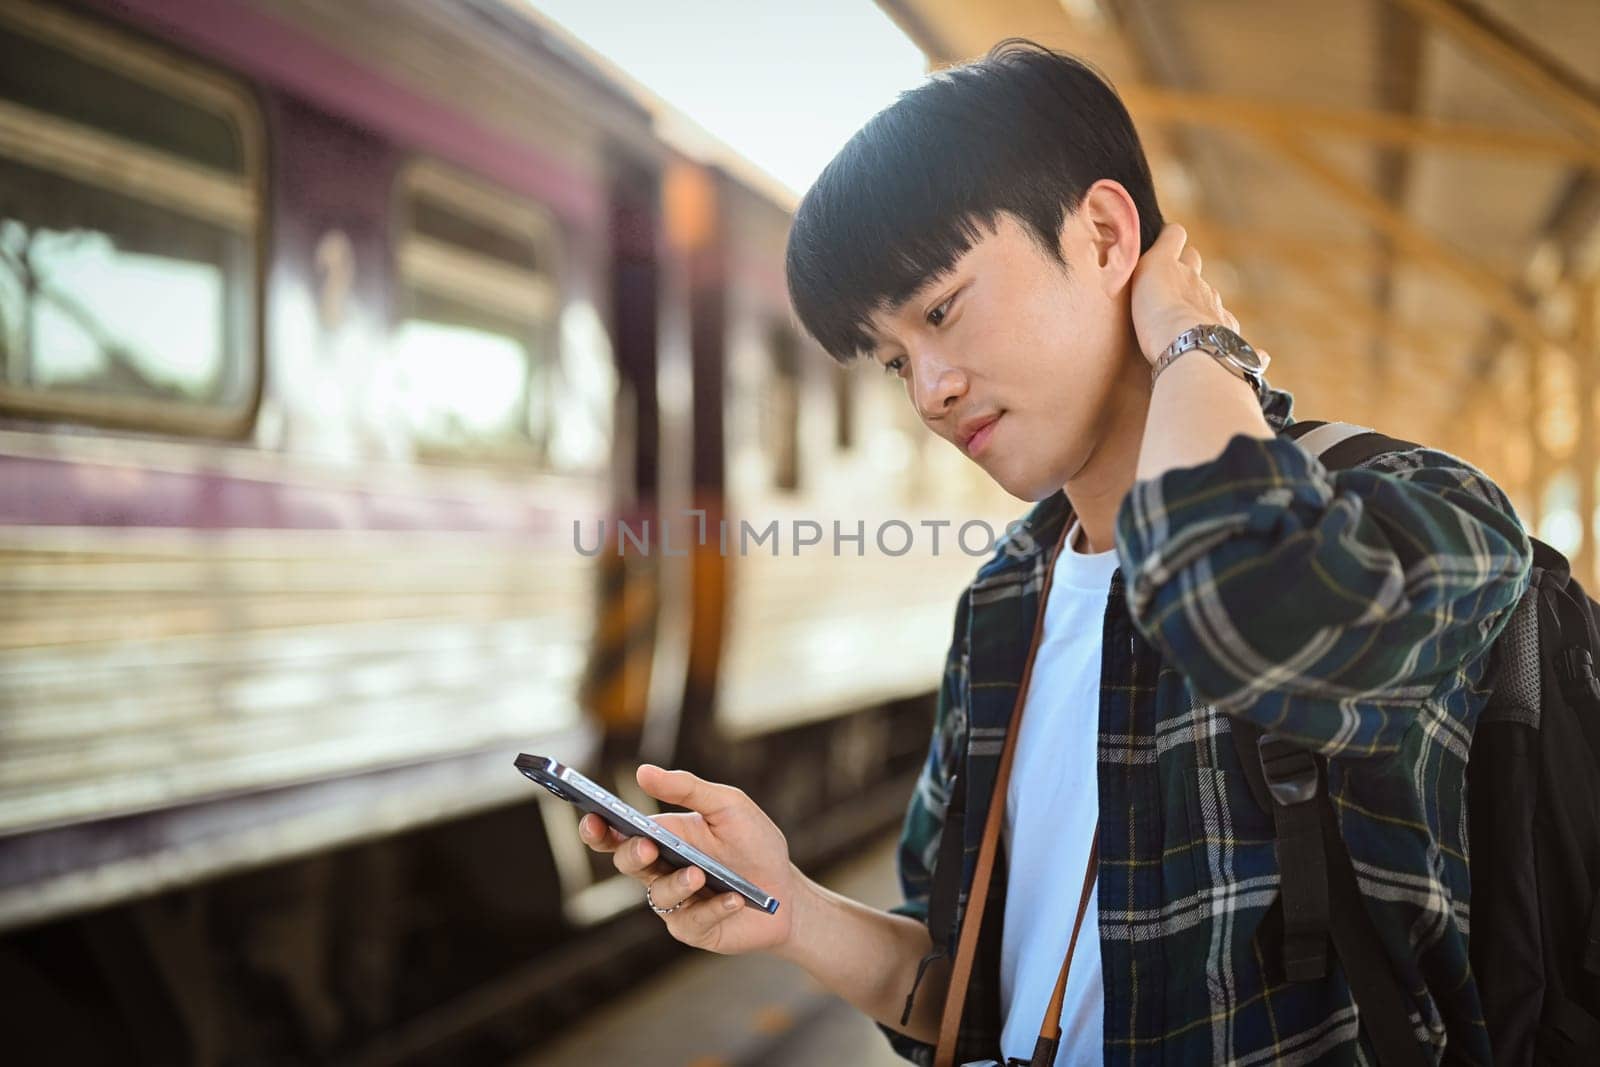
1533	809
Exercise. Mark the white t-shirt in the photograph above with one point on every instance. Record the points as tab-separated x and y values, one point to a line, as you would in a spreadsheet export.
1052	805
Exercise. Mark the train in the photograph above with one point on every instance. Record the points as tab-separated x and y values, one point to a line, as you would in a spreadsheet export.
348	353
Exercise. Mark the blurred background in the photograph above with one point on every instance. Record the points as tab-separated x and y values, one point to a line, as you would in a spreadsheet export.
337	336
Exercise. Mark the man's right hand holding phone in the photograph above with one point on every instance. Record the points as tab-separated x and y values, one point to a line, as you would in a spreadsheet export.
866	956
724	823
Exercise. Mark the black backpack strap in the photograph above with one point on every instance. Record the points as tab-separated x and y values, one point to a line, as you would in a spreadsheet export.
1302	863
1284	780
1379	997
1320	895
1342	445
1317	883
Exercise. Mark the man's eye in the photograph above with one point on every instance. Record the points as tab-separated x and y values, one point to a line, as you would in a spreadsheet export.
937	315
893	366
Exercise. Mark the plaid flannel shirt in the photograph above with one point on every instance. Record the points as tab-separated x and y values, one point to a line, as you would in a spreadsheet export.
1350	611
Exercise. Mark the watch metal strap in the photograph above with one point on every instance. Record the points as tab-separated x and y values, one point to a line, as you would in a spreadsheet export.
1187	340
1184	344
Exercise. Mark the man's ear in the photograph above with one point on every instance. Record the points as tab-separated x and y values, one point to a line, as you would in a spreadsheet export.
1108	224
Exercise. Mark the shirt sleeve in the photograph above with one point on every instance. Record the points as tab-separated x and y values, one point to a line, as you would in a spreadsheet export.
924	820
1321	604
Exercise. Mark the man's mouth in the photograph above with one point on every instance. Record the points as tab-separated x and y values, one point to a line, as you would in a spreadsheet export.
977	441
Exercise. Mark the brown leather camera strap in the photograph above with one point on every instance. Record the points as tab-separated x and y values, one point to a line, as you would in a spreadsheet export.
966	947
1050	1028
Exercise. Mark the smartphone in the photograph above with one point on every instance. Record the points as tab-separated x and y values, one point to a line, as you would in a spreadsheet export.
573	787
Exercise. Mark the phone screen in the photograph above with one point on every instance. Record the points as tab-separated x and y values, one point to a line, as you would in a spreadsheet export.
577	789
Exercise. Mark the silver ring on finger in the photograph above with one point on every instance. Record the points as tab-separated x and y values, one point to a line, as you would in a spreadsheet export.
662	911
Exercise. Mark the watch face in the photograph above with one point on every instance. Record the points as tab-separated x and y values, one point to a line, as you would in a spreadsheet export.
1235	346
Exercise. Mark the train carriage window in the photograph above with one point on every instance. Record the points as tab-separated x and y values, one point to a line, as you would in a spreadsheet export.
781	412
584	394
478	332
129	230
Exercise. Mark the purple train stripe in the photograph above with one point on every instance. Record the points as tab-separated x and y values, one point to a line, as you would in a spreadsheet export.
41	491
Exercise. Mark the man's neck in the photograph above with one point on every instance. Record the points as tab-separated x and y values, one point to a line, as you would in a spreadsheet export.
1097	490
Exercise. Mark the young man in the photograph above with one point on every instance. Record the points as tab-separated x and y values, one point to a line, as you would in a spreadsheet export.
993	239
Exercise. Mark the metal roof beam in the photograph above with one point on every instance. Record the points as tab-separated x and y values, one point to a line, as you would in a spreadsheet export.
1518	57
1498	296
1254	116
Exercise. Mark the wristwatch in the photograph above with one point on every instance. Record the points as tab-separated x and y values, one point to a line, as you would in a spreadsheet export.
1227	347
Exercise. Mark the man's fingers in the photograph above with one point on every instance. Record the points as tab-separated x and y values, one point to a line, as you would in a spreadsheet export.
695	924
601	837
687	790
639	858
1191	256
635	856
1172	239
674	888
597	835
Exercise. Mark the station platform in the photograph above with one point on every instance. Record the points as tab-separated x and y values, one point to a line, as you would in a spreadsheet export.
738	1011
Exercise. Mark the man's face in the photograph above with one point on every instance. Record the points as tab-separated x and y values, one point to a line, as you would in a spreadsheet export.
1010	332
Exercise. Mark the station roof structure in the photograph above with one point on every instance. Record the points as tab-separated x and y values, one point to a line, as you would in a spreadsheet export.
1398	198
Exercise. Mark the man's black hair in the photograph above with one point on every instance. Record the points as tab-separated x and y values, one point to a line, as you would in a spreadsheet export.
1024	130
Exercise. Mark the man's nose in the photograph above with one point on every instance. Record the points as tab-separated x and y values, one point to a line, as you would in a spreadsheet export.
938	386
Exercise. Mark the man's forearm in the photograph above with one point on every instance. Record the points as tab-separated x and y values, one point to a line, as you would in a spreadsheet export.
868	958
1197	406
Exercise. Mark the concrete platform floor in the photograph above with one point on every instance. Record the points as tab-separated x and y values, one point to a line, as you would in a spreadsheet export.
737	1011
